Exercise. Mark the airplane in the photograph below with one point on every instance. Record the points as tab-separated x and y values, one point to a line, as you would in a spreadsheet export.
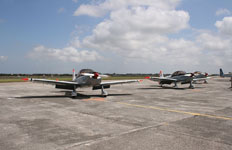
85	78
226	75
201	75
178	76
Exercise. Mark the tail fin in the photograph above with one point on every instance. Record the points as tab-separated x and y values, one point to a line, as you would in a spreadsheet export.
221	73
74	75
161	74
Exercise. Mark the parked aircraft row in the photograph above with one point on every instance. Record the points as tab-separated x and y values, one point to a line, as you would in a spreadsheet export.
90	78
180	77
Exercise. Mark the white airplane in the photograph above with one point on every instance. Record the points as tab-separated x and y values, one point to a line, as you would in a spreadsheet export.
85	78
178	76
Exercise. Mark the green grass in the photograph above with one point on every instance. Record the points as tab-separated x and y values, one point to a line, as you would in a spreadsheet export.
5	79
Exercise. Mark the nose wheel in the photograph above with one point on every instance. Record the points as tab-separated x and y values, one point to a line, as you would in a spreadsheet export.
74	94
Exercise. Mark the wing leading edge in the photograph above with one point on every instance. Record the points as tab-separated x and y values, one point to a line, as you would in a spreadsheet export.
119	82
54	82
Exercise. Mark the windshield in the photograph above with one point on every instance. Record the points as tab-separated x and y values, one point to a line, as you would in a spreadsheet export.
178	73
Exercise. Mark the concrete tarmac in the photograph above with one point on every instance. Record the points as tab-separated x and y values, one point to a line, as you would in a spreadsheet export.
133	117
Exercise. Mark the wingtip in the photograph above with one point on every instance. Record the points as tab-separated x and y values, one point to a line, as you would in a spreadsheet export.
147	77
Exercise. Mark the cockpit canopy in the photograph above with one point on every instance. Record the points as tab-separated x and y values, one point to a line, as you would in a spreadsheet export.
178	73
86	71
197	72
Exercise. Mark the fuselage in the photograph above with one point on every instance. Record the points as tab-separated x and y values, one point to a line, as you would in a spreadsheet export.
184	79
87	81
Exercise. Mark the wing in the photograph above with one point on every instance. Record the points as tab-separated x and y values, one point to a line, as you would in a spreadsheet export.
54	82
118	82
162	79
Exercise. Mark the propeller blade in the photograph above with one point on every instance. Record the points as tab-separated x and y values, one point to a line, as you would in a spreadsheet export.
103	76
87	74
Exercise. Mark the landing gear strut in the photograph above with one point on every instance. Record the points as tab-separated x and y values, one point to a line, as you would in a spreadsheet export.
74	92
175	86
191	85
103	92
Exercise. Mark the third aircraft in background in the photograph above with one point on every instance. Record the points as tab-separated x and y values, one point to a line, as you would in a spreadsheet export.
178	77
226	75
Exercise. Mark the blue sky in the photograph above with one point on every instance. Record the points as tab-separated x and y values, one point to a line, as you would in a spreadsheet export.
54	36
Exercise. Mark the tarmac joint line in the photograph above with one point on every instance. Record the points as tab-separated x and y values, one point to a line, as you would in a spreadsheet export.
176	111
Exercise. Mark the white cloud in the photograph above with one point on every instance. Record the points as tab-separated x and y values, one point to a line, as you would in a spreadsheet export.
210	41
67	54
225	26
141	32
222	11
89	10
218	46
3	58
138	31
98	9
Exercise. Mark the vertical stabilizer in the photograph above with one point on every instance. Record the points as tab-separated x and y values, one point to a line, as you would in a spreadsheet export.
74	75
221	73
161	74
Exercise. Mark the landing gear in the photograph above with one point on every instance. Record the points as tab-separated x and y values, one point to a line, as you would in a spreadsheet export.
103	92
175	85
205	82
191	86
74	93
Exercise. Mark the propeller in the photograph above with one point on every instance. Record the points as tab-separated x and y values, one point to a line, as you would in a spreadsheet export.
94	75
192	74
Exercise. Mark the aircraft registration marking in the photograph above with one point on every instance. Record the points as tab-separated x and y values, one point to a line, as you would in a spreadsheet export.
176	111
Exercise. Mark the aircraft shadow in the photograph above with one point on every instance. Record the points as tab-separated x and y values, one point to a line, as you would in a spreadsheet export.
79	96
82	96
161	88
42	96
